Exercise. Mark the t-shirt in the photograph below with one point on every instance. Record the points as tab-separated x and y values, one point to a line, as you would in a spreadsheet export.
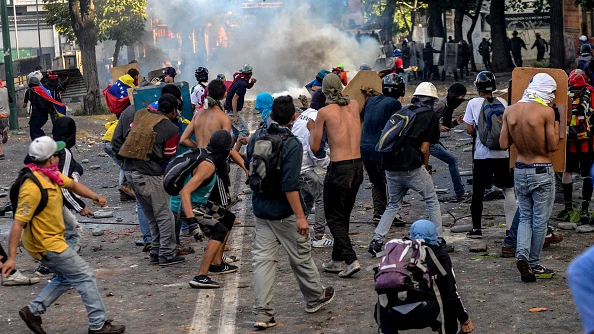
375	114
300	130
276	206
239	88
197	96
198	196
471	116
164	147
38	103
425	128
44	232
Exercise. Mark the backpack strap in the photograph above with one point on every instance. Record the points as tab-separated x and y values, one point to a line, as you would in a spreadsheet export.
435	261
439	302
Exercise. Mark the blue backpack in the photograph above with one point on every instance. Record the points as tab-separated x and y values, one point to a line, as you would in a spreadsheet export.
490	123
396	129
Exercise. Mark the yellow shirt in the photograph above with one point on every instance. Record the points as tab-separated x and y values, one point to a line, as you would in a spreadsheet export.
44	232
110	128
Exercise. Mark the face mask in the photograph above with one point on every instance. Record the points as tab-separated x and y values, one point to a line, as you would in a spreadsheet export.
454	102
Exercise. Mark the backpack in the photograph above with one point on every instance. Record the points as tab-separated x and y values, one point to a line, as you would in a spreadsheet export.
490	123
24	174
181	167
266	163
583	64
403	276
579	127
396	129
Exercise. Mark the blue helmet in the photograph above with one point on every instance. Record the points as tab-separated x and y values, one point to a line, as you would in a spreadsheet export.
397	53
321	75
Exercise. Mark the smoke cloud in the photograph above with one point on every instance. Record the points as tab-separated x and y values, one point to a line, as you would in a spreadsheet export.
285	47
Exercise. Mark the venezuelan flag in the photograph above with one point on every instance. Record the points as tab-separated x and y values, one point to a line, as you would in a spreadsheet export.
116	95
59	107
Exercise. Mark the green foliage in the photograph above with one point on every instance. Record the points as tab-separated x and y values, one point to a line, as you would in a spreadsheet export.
118	20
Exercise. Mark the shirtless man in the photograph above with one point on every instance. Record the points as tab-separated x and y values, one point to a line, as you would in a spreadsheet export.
345	173
534	127
208	120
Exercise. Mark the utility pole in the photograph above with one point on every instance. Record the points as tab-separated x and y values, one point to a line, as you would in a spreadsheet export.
38	31
14	121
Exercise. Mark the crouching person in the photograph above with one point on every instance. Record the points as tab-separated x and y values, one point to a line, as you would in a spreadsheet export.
44	238
422	307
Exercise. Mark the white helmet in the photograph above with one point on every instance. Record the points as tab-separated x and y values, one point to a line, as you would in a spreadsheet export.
583	38
426	89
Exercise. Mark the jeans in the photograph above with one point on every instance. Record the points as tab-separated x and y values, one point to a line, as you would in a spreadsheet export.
377	177
107	148
238	130
269	236
71	271
143	223
154	202
441	153
71	231
418	180
511	240
36	121
341	185
535	191
312	191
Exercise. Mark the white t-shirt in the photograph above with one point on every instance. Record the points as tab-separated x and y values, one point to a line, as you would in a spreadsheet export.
196	96
301	131
471	116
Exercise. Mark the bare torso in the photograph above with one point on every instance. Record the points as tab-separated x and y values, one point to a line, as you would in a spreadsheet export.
343	126
526	123
206	121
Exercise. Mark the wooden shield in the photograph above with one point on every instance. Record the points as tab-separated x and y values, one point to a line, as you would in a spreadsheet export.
521	77
118	71
363	79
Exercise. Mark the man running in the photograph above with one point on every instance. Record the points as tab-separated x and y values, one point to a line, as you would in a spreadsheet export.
345	172
534	127
242	81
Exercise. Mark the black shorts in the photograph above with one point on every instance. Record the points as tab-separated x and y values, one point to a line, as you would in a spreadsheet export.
488	172
579	163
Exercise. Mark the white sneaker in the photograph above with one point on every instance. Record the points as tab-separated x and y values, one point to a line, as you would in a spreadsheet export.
321	243
19	279
333	266
350	269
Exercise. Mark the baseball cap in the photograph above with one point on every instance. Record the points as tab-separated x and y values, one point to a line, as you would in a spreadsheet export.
43	148
168	102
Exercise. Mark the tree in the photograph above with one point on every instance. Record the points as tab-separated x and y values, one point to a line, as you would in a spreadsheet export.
502	61
434	13
474	18
388	20
557	43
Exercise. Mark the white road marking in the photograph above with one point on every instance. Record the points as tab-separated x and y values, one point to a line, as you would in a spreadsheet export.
229	290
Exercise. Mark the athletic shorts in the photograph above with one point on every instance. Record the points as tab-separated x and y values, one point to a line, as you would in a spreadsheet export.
579	163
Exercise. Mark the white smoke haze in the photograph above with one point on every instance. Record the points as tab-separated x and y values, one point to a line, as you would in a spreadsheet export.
286	48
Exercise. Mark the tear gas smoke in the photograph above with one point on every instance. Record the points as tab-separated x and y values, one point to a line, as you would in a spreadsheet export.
286	48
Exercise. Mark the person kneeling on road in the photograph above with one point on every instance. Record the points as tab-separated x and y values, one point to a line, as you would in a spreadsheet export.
422	314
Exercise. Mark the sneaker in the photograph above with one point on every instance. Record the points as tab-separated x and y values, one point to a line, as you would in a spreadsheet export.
333	266
584	216
174	260
552	239
321	243
223	268
265	324
42	271
328	296
139	242
2	156
507	252
230	258
146	248
154	259
125	198
19	279
108	328
525	272
350	269
32	321
183	250
475	234
375	247
542	272
203	282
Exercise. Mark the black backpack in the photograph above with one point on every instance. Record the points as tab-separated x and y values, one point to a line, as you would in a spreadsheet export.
24	174
397	128
181	167
266	163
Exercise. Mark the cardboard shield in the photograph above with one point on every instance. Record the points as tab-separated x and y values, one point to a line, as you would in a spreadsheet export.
118	71
368	79
521	77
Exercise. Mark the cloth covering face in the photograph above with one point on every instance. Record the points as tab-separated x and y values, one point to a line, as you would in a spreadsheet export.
541	89
424	229
332	88
264	105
